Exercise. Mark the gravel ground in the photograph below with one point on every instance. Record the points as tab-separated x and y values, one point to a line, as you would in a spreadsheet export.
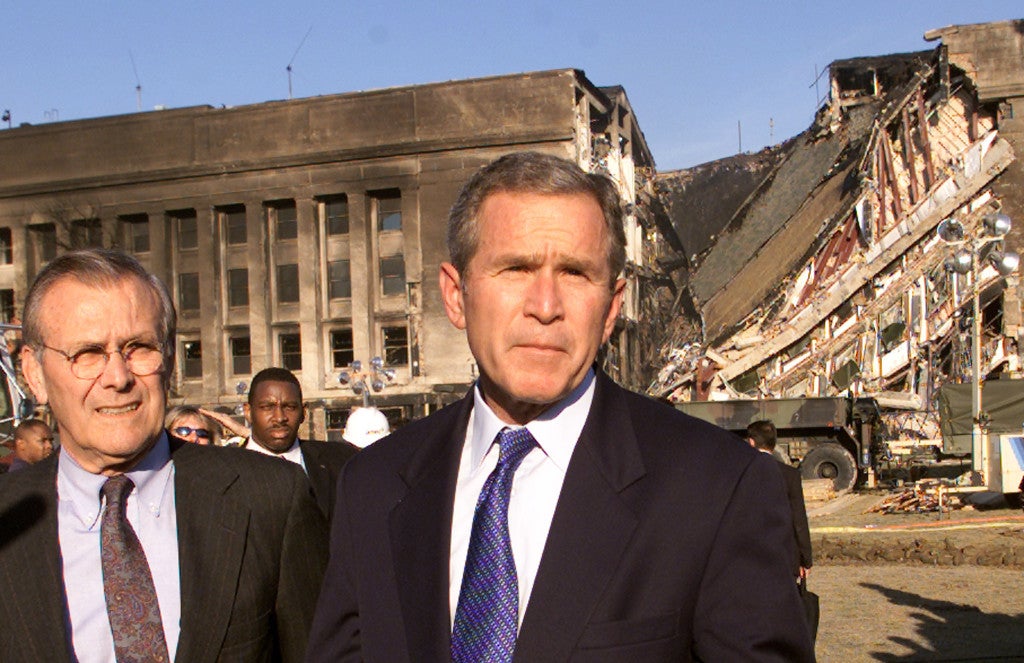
919	613
917	586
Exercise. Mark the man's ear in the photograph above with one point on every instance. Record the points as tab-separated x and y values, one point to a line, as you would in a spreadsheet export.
613	309
452	295
248	414
32	369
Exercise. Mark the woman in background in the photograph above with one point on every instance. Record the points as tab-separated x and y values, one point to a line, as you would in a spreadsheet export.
189	424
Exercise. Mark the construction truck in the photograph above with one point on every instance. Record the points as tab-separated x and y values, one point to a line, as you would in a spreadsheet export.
827	438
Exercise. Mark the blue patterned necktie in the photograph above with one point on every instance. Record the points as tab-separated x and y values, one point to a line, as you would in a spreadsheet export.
488	610
127	582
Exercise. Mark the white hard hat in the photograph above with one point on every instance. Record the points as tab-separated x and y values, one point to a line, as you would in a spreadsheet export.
365	426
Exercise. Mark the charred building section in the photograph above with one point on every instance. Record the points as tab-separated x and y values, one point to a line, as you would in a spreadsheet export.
308	233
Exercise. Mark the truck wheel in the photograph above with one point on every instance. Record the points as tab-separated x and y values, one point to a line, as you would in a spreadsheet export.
830	461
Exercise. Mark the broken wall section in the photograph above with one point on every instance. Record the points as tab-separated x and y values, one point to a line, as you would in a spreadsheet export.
859	301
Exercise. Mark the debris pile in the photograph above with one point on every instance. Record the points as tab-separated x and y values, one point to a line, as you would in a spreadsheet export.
829	277
923	497
918	552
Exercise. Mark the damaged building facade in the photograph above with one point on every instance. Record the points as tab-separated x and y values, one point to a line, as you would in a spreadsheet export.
815	268
308	233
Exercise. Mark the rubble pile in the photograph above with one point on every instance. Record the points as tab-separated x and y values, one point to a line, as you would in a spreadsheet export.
920	552
923	497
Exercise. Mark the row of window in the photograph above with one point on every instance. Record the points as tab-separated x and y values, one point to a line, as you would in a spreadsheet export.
394	342
339	283
282	215
135	229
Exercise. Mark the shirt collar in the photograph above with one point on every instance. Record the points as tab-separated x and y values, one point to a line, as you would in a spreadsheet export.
292	453
556	430
81	488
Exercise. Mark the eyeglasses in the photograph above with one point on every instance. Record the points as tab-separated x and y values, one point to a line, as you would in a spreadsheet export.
185	431
140	358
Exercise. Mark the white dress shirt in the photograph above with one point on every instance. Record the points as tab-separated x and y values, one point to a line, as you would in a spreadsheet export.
294	452
535	487
151	512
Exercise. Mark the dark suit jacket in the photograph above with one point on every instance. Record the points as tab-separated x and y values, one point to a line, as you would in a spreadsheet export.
324	461
671	540
251	545
802	532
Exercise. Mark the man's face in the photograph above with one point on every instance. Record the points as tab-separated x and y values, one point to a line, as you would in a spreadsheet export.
34	444
535	301
108	423
275	412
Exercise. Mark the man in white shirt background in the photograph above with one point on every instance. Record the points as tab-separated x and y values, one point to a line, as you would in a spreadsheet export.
275	411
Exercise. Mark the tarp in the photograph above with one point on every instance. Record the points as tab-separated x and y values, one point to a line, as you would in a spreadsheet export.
1002	400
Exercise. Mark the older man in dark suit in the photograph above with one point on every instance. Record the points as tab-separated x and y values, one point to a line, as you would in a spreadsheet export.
130	545
551	515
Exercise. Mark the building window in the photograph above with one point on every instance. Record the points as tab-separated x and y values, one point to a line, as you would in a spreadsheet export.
86	234
135	232
392	275
283	217
44	240
191	359
396	345
342	351
291	351
6	305
336	419
336	215
187	229
236	230
188	291
339	279
238	287
241	355
287	283
6	248
388	210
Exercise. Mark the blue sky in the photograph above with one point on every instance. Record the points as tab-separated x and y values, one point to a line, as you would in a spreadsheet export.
692	70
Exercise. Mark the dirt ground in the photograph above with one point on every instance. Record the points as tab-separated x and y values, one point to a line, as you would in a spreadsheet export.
917	586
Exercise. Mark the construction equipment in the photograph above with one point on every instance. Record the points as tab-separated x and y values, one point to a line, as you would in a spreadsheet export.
827	438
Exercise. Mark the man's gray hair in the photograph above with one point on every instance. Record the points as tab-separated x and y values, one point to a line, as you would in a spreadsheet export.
532	172
97	268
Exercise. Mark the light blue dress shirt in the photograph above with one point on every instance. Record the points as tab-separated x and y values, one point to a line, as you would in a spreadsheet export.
150	510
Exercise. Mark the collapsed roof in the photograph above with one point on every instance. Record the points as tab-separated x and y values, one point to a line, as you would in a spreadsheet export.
814	266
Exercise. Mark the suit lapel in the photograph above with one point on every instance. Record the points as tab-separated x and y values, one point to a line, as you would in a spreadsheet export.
591	529
319	476
212	530
420	527
33	571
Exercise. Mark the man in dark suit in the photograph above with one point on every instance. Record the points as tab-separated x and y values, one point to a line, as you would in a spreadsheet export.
275	412
198	536
33	441
552	515
763	436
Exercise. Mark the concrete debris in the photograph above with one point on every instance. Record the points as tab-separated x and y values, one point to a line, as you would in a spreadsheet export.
917	552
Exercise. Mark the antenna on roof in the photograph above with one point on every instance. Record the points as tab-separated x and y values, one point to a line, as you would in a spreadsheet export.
294	55
138	83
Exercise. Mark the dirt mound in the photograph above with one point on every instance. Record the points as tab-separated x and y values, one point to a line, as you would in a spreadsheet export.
944	552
